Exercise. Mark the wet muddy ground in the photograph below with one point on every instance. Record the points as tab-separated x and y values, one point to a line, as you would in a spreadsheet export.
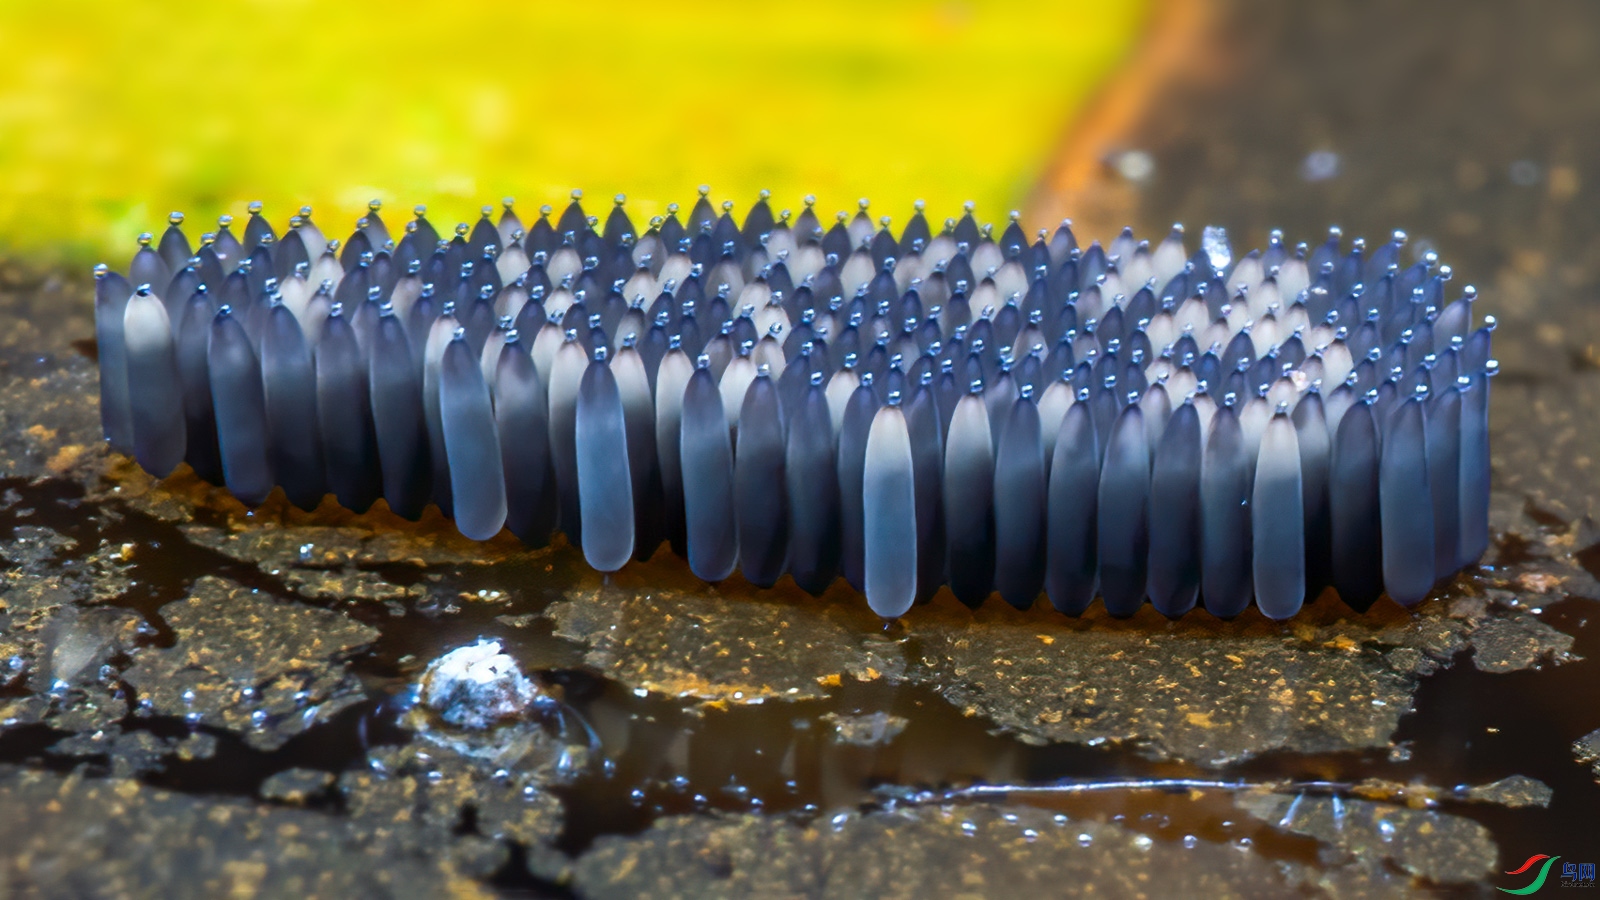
193	692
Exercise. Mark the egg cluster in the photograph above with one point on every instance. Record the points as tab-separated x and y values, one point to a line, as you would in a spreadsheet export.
992	413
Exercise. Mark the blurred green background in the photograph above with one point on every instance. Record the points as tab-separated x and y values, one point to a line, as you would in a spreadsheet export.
114	113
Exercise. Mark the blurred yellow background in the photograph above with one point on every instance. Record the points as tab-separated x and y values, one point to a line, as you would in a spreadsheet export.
113	113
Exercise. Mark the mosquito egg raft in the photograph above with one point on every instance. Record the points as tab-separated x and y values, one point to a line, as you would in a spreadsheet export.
1141	421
